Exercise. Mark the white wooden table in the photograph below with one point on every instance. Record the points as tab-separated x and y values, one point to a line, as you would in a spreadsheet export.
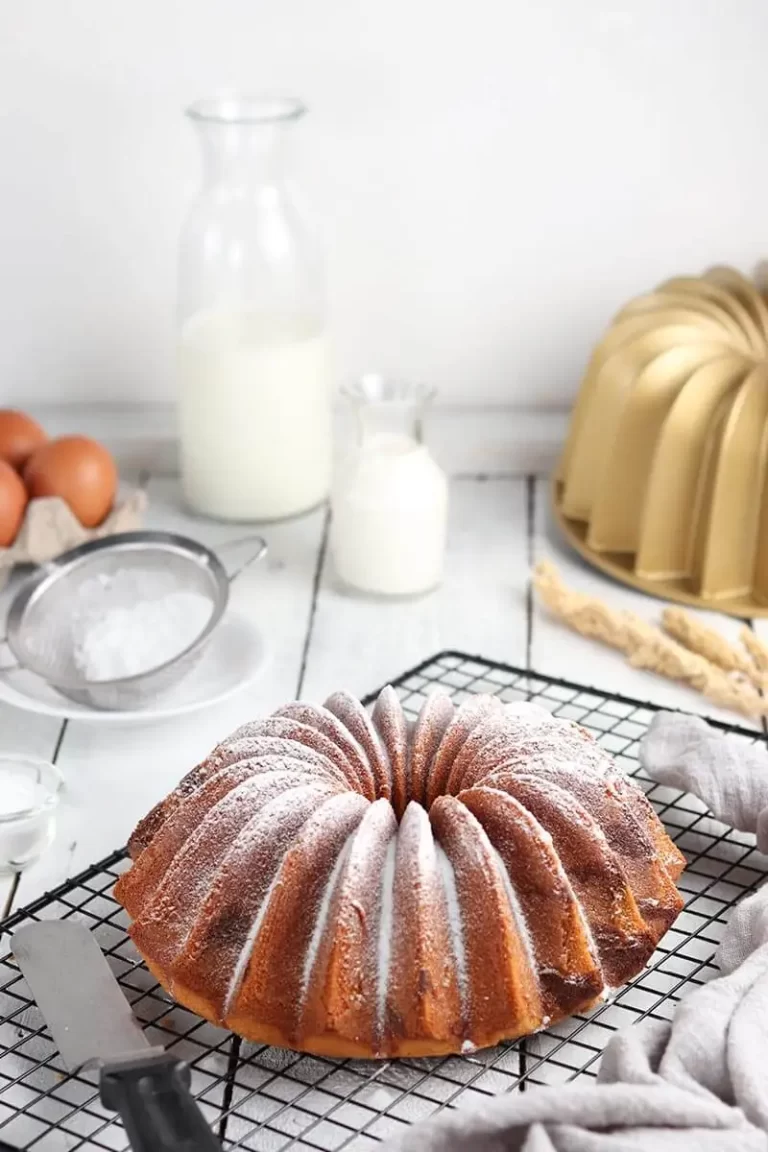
319	640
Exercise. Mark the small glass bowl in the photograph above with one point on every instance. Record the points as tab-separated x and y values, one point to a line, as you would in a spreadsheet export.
29	796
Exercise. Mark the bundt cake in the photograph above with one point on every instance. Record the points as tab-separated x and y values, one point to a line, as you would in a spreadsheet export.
663	481
359	885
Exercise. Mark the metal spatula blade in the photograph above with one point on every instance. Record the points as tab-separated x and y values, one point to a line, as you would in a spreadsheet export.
77	993
92	1023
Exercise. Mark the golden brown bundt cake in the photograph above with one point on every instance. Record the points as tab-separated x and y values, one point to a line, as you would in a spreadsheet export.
358	885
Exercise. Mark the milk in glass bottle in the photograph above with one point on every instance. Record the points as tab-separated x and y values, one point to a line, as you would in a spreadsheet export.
254	389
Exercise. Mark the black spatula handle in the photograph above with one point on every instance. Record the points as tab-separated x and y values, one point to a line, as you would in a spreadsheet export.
152	1095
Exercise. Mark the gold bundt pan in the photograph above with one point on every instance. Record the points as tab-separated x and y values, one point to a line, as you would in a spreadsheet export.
663	479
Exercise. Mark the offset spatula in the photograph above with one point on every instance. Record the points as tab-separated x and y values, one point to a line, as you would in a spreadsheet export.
93	1026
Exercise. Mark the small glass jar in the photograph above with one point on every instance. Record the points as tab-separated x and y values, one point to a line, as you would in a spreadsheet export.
390	497
29	796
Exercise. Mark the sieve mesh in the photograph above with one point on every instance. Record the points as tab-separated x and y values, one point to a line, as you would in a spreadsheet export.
50	611
101	585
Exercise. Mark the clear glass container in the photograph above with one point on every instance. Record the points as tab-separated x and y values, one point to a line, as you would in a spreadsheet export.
29	796
390	497
254	391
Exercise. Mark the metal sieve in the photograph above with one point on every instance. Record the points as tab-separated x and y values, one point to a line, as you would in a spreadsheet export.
39	627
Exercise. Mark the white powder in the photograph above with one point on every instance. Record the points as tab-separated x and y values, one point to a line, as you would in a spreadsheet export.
448	876
23	837
517	913
112	642
18	794
322	918
385	931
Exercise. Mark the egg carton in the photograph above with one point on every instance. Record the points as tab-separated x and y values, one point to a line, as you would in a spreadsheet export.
50	527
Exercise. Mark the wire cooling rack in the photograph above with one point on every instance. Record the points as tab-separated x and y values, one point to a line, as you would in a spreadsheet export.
263	1099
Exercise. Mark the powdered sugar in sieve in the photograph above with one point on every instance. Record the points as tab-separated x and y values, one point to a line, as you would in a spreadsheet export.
133	621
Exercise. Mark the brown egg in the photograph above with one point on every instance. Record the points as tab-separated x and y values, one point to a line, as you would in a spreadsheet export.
20	435
78	470
13	501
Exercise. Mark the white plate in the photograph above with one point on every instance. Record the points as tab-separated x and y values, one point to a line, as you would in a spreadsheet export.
233	658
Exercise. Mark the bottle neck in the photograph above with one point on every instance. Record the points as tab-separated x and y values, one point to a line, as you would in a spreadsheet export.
243	156
394	426
388	410
245	142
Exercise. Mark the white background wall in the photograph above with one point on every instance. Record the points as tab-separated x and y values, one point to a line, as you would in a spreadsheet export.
495	175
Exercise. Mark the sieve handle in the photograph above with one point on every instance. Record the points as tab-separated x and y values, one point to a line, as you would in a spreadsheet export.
259	545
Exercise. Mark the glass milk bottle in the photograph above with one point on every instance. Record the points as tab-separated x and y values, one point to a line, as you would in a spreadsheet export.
254	391
390	498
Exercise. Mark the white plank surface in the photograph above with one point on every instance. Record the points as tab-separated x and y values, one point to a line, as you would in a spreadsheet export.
320	639
359	643
559	652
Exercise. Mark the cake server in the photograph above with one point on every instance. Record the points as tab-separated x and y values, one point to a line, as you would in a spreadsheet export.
93	1026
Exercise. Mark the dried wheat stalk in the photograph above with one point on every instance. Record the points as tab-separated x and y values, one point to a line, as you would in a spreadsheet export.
645	645
704	641
756	648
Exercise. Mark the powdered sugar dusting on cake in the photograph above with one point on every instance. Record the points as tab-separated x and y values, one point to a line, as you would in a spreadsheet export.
249	747
469	762
422	990
374	832
557	743
181	823
322	917
592	866
385	932
567	744
523	931
225	917
331	727
448	878
496	739
594	951
389	718
329	822
274	886
473	712
273	815
533	713
292	729
239	970
543	899
343	991
629	837
352	714
436	713
170	916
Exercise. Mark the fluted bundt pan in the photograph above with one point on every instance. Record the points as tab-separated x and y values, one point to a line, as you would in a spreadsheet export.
662	482
359	885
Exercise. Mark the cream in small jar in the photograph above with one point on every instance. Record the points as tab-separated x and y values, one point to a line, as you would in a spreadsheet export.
29	793
390	499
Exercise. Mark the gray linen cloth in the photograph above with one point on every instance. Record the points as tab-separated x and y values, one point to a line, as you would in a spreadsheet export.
699	1084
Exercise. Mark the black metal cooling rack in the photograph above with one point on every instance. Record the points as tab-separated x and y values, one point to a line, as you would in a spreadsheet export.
263	1099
